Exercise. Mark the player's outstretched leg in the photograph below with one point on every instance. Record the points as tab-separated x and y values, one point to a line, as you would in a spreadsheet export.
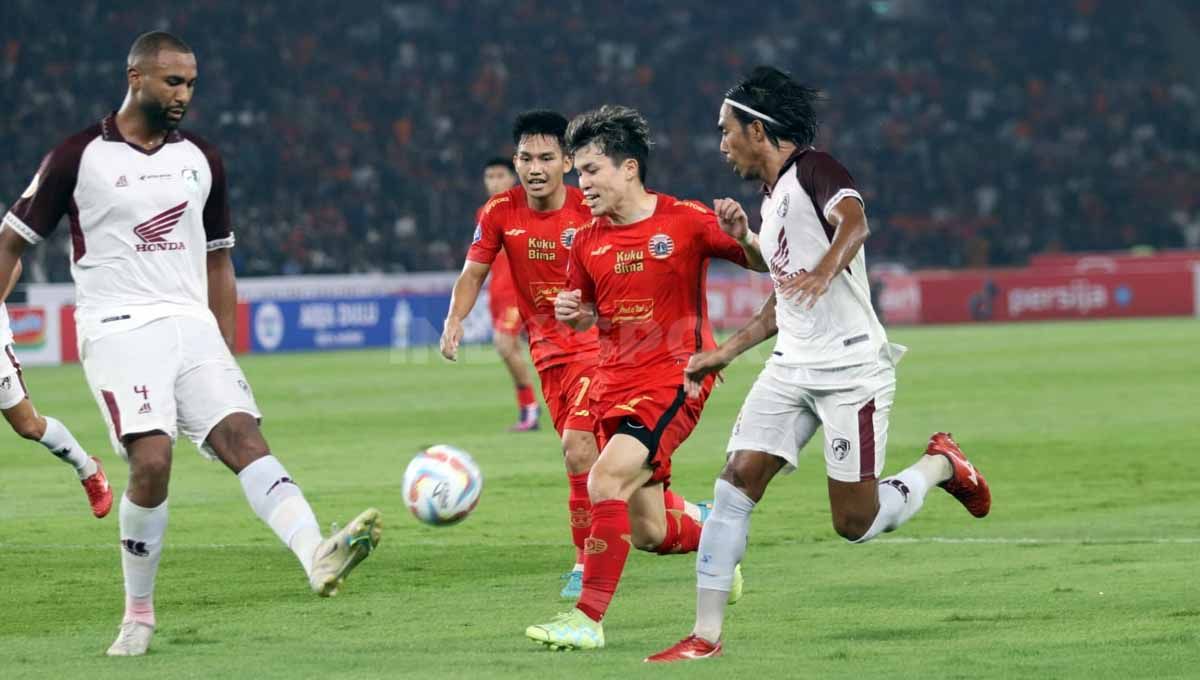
722	544
143	523
617	475
279	502
57	439
902	495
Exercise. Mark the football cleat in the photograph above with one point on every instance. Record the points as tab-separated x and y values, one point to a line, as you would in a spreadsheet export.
528	420
573	630
99	493
337	555
966	483
688	649
573	587
133	640
739	583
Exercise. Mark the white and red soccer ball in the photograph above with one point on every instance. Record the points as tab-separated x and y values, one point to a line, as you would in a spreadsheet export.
442	485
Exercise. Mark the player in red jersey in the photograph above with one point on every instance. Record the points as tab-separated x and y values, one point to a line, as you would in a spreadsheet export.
535	224
637	272
24	419
499	176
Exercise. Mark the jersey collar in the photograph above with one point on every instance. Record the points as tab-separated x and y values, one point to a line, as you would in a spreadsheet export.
791	160
111	133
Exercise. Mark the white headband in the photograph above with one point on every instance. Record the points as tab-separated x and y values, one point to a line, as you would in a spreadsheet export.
752	112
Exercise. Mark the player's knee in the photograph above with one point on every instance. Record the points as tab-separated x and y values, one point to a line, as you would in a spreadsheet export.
238	438
29	428
852	526
579	454
646	534
150	466
603	487
738	473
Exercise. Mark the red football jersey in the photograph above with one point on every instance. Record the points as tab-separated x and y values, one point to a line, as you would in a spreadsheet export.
648	281
537	245
501	281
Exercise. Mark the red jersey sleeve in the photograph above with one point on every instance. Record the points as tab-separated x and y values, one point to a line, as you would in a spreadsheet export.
489	235
578	277
719	244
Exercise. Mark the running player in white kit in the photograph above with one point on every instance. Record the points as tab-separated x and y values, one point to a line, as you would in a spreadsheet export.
156	308
832	366
24	419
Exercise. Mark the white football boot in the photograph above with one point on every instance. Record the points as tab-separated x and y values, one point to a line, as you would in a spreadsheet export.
133	640
337	555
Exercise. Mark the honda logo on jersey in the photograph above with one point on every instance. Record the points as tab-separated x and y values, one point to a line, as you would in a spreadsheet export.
153	232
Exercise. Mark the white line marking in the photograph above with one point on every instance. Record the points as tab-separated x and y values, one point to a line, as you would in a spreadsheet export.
1132	540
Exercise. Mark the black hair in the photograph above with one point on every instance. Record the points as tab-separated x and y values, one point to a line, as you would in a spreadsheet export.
773	92
619	132
148	45
500	161
540	122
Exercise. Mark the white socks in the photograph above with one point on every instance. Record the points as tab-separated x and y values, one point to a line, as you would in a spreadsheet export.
62	444
142	532
900	497
722	545
277	501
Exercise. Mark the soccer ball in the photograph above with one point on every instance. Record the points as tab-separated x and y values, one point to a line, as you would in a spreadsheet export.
442	485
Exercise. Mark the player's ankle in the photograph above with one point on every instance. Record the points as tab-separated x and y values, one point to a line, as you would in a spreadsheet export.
139	610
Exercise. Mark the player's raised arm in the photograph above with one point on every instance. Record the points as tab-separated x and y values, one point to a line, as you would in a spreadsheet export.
761	327
733	221
462	301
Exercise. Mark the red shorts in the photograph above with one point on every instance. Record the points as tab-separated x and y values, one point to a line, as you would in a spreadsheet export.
662	409
565	388
506	317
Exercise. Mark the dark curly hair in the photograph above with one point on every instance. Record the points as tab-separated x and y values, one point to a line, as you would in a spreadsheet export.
619	132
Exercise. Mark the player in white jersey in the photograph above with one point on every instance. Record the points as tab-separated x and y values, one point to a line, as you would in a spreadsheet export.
18	410
832	366
156	307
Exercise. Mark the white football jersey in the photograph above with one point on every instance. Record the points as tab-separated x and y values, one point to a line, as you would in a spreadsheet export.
141	224
842	329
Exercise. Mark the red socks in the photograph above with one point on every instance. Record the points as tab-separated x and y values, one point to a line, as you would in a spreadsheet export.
525	397
683	532
605	553
580	507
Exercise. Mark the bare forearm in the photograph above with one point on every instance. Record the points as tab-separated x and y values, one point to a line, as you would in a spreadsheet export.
11	247
761	327
222	295
847	240
754	258
12	281
466	290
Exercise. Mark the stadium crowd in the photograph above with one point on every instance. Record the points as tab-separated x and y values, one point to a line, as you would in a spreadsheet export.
979	132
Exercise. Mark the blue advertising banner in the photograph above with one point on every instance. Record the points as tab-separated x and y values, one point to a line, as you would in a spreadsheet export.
353	323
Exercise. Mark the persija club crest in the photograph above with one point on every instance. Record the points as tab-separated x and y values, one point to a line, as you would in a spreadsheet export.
568	237
661	246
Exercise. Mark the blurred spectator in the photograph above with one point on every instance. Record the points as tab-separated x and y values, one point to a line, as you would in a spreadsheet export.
353	132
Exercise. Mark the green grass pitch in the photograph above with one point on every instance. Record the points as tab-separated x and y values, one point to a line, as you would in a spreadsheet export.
1089	434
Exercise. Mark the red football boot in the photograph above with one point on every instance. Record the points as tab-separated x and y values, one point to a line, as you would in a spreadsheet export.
967	483
688	649
98	492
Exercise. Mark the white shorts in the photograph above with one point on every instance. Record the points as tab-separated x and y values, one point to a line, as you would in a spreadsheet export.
786	405
171	375
12	384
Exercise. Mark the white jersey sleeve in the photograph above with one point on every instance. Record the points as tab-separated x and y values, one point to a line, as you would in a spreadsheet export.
842	329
